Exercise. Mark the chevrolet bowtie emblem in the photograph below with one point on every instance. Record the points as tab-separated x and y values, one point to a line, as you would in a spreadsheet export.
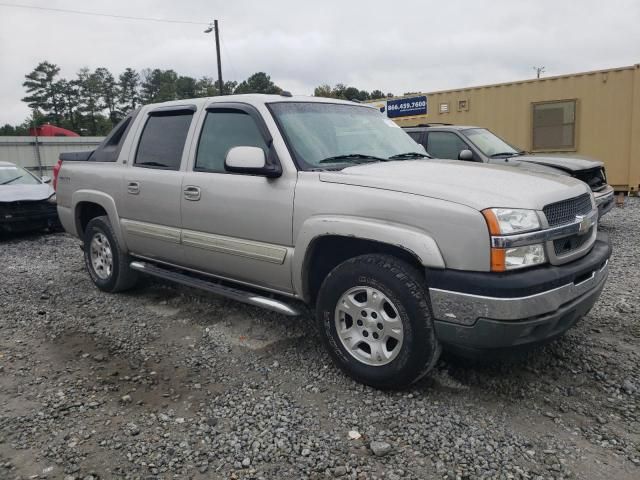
585	224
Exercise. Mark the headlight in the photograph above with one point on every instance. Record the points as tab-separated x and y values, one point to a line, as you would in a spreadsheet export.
52	199
505	221
509	221
503	259
527	256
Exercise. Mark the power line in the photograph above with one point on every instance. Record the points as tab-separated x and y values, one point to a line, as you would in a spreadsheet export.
96	14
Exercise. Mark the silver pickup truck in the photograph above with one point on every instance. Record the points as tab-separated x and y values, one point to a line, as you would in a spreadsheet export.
277	200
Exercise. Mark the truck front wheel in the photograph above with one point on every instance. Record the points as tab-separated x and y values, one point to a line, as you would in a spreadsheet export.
375	318
107	264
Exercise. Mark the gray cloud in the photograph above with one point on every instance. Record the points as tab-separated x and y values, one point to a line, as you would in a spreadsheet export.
397	47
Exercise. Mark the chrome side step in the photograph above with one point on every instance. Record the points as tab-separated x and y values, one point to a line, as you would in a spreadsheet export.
229	292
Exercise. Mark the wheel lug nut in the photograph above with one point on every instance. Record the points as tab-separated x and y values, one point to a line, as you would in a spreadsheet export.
380	326
359	322
365	334
375	335
374	315
363	313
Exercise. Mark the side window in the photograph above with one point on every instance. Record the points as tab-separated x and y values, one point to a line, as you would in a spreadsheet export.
109	150
222	130
445	145
417	137
163	139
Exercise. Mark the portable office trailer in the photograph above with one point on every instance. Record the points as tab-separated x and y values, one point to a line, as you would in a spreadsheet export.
596	114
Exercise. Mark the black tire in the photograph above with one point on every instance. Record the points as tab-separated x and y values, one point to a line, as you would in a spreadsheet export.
403	285
121	277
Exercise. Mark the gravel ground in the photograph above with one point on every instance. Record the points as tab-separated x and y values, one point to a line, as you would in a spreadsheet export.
164	382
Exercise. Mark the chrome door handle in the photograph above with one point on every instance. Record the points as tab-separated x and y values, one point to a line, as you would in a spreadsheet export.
133	188
192	193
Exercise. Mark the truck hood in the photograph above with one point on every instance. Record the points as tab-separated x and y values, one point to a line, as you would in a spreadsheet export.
476	185
19	193
567	163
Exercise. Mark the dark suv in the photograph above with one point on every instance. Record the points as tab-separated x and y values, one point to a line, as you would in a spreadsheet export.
476	144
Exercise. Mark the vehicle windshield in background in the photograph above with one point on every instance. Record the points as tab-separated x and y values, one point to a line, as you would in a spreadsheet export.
322	134
488	143
16	176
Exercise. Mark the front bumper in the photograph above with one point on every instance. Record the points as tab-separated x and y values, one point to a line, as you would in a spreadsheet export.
604	200
488	310
25	216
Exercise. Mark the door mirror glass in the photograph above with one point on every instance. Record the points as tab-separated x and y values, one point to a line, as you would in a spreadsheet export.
249	160
465	155
46	179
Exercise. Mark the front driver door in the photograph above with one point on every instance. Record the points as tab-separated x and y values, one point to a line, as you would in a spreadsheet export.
237	226
445	145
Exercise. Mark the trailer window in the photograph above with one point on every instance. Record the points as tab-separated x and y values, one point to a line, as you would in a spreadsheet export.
554	125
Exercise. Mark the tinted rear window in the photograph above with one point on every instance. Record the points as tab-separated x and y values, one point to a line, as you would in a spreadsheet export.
162	141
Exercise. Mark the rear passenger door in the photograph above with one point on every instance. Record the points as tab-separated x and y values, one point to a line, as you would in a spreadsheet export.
237	226
152	187
445	145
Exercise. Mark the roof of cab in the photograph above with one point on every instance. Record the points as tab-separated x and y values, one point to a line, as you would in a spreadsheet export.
255	99
435	126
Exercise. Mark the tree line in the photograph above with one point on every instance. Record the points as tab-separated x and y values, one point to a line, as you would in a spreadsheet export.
92	102
348	93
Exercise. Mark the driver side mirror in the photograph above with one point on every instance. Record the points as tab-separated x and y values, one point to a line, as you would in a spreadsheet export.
45	179
250	161
465	155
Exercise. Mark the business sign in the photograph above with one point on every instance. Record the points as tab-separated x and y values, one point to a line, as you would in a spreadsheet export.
404	107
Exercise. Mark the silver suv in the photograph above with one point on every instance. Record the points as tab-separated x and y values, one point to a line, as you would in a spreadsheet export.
277	200
458	142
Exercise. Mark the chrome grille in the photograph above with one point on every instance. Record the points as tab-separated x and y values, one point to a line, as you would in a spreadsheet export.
565	211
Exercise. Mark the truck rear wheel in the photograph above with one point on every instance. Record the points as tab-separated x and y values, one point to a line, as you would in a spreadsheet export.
375	318
108	266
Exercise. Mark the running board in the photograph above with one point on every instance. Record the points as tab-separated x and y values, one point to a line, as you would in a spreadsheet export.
229	292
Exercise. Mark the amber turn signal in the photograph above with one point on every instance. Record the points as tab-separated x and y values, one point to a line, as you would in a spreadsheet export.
492	221
498	257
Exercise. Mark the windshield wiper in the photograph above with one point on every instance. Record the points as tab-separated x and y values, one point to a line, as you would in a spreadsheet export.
502	154
353	156
12	180
410	155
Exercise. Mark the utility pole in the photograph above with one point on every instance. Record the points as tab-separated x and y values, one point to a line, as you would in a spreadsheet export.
539	71
214	28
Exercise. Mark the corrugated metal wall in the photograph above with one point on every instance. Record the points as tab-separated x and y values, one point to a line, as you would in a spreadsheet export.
607	115
40	154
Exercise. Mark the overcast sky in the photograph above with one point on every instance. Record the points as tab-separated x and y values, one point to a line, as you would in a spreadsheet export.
393	46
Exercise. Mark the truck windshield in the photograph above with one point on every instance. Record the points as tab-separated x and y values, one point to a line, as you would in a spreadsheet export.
326	135
16	176
488	143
